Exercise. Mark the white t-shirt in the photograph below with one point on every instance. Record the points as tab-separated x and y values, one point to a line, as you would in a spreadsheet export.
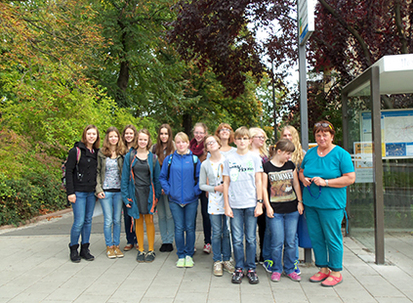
216	199
241	169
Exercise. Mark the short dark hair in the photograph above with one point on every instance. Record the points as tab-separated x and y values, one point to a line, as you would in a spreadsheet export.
324	126
216	139
284	145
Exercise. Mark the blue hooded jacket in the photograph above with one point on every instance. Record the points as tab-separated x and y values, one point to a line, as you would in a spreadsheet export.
128	184
181	187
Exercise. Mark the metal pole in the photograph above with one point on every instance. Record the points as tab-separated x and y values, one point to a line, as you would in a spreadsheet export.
303	95
304	115
378	166
274	104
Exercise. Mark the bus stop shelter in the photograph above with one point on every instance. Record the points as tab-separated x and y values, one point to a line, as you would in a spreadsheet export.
377	136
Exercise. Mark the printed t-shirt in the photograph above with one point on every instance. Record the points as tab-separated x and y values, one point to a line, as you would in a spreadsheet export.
241	169
281	193
216	199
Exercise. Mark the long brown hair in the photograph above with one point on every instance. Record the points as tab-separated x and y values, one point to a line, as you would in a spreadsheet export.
97	142
135	137
106	144
170	148
145	132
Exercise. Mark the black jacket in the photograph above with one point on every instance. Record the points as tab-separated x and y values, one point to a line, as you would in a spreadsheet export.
83	180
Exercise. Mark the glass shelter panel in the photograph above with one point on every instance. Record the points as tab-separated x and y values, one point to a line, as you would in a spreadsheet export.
397	138
361	193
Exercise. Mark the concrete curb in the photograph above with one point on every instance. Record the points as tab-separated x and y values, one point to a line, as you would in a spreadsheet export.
58	213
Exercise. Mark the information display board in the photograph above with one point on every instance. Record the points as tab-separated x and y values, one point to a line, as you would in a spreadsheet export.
396	132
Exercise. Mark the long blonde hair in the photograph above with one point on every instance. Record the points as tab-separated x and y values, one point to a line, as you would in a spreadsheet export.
298	155
254	131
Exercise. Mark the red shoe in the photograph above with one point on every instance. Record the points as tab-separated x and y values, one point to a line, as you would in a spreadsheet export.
319	277
207	248
128	247
333	282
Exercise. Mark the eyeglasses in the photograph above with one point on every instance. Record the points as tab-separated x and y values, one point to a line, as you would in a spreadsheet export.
211	142
199	133
259	137
323	125
243	139
225	130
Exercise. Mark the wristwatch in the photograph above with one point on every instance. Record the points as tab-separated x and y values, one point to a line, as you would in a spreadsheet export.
326	182
260	200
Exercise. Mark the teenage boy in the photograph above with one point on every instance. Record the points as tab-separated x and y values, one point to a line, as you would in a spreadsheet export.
242	177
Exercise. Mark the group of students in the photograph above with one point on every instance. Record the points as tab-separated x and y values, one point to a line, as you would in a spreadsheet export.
123	174
247	184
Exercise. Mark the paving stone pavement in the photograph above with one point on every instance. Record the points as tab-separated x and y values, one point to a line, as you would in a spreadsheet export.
35	267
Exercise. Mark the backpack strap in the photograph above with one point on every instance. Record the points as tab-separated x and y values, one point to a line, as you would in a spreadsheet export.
78	154
132	155
195	160
169	166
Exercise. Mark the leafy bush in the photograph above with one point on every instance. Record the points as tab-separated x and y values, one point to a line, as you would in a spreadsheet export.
34	194
29	180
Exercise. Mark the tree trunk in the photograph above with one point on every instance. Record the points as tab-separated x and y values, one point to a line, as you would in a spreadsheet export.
187	124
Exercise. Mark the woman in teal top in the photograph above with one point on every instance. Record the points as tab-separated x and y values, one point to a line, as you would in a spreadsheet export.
326	171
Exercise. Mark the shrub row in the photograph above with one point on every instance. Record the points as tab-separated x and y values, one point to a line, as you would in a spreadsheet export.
34	194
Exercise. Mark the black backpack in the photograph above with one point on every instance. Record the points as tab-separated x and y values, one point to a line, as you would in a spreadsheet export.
63	168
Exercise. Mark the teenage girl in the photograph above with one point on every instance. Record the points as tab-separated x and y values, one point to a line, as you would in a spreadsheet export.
164	146
283	202
141	190
179	179
197	147
211	171
290	133
81	168
109	171
129	136
226	134
259	146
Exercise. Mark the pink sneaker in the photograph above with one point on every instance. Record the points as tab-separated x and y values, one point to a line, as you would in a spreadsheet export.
207	248
275	276
293	276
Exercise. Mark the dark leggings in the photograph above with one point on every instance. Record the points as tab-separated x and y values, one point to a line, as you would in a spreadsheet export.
130	236
261	232
206	222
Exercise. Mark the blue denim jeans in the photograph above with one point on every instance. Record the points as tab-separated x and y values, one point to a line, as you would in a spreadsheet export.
112	211
130	235
221	246
184	219
82	217
324	228
244	223
165	220
266	247
283	229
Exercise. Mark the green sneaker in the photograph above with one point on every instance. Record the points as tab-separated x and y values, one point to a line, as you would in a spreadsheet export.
180	263
189	262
